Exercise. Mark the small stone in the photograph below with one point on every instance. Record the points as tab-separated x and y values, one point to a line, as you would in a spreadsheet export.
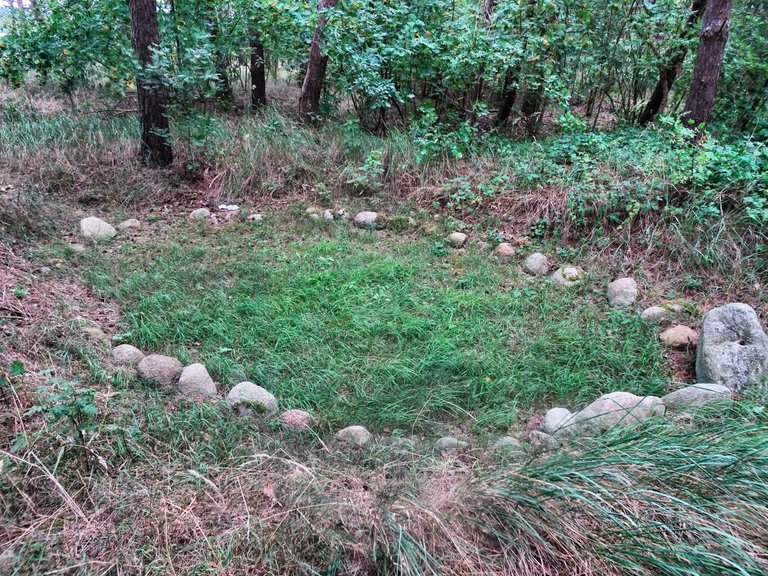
247	397
696	396
200	214
622	292
313	212
328	215
296	419
163	370
679	337
342	214
96	230
734	348
482	245
541	440
97	336
457	239
509	445
130	224
557	421
255	217
126	355
366	220
617	409
568	276
537	264
195	383
504	251
449	444
357	435
656	314
76	248
412	222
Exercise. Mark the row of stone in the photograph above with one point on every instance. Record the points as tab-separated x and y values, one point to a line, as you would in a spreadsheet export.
194	383
619	409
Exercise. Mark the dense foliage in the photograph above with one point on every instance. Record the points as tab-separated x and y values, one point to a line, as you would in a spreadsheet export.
462	58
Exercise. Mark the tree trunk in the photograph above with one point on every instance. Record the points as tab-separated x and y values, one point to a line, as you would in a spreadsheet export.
309	101
155	146
669	72
709	61
258	73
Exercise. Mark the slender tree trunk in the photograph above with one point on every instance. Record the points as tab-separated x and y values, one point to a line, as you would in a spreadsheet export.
155	147
709	61
309	101
258	73
669	72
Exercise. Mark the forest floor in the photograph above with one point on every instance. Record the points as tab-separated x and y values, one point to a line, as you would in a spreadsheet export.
104	473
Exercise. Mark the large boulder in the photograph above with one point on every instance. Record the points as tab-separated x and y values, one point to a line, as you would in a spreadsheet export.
618	409
622	292
160	369
126	355
696	396
195	383
356	435
733	348
96	230
247	397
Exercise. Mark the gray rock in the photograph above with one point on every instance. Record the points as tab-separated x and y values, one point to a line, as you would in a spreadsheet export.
366	220
622	292
536	264
508	445
255	217
76	248
656	314
696	396
130	224
541	440
505	251
557	421
328	215
200	214
296	419
457	239
96	230
733	350
342	214
126	355
163	370
568	276
195	383
679	337
247	397
449	444
617	409
357	435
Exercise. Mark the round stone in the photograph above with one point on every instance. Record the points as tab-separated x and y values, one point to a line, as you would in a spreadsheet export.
96	230
130	224
622	292
537	264
457	239
195	383
126	355
656	314
367	219
697	396
296	419
449	444
356	435
313	212
328	215
163	370
200	214
568	276
247	397
504	251
679	337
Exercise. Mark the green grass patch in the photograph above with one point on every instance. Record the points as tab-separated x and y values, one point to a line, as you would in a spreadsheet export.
369	330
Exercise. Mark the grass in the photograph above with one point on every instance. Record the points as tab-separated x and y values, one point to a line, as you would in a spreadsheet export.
370	331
